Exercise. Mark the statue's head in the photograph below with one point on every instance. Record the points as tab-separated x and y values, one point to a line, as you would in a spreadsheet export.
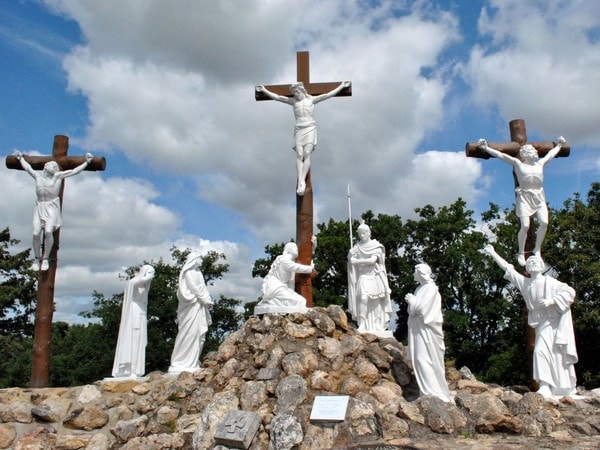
528	152
534	264
291	249
423	271
298	89
146	270
364	232
51	167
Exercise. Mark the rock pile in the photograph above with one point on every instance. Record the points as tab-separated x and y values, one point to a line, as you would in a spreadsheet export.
275	366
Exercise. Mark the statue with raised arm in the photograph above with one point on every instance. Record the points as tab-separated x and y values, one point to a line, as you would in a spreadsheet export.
425	335
368	288
130	354
530	197
548	303
47	210
278	295
305	127
193	316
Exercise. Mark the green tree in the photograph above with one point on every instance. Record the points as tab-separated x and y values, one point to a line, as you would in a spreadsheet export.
17	289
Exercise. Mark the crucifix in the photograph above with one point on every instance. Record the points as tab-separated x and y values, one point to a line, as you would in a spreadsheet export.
530	199
67	165
303	95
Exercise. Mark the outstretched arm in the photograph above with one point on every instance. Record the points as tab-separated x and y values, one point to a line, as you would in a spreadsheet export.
274	96
489	249
552	153
24	164
332	93
78	169
482	144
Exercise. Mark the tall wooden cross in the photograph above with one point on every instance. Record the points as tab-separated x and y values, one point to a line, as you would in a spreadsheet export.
304	203
518	138
45	293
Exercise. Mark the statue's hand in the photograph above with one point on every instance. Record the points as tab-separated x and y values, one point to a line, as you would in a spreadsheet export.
408	297
561	141
18	154
489	249
346	84
482	143
259	88
546	302
89	157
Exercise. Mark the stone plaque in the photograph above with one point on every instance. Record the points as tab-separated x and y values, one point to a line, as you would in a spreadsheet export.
330	408
237	429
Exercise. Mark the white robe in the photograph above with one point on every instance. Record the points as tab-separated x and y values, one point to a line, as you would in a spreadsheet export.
130	353
193	317
554	352
278	285
426	341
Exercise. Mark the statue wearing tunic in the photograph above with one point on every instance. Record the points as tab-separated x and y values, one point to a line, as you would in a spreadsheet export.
548	303
193	317
425	335
130	354
278	295
368	289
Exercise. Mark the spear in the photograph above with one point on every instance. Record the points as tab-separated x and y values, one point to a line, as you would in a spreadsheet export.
350	216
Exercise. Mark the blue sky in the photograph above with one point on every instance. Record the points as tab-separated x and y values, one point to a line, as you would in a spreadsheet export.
165	92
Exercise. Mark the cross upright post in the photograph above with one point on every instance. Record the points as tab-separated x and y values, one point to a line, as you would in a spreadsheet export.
518	136
45	292
304	202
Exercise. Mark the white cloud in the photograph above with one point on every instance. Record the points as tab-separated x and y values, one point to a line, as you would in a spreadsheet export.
541	62
170	86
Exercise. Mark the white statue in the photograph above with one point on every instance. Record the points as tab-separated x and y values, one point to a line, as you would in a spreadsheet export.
530	198
305	128
278	295
549	313
425	335
193	316
47	209
368	289
130	354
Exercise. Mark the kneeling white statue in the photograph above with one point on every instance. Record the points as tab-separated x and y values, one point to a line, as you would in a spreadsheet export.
193	316
278	295
425	335
130	354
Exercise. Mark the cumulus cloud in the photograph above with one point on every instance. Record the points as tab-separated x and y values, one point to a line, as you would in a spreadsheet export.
539	61
170	87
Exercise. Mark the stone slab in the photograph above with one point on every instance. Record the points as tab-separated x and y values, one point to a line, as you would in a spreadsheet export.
238	429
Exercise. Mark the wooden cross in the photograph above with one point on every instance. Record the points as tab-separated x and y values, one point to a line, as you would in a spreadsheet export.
45	293
304	203
518	137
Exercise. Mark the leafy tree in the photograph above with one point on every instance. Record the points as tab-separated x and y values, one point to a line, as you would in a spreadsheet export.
17	289
15	364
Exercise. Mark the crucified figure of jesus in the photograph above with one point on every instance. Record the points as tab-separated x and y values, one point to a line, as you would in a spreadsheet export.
530	199
47	209
305	127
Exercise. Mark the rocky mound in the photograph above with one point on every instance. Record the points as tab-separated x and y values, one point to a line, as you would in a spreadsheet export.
275	366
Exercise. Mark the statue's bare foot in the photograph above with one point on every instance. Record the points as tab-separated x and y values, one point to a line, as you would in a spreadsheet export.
45	265
521	259
301	188
35	266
